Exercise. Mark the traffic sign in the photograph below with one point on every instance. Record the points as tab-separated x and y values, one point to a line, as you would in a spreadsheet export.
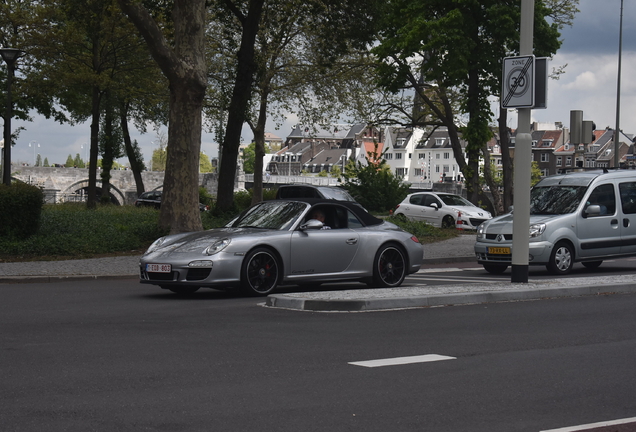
518	82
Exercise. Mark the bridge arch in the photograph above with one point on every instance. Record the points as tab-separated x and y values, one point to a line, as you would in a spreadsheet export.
116	195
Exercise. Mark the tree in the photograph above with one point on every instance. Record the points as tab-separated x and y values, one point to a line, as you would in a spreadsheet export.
373	184
70	162
438	48
179	50
205	166
78	162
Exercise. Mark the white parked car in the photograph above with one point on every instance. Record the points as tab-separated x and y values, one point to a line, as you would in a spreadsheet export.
442	210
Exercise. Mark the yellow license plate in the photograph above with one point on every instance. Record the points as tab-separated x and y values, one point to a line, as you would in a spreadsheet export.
499	250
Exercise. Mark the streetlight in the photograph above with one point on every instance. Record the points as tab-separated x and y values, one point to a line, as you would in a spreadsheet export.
85	148
33	144
618	93
9	55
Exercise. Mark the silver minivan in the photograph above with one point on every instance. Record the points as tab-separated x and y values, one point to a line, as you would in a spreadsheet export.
582	217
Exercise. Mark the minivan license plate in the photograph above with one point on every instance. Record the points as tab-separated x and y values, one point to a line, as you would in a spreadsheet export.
158	268
499	250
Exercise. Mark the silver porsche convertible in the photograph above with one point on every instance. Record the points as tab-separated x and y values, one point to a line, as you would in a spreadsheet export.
285	242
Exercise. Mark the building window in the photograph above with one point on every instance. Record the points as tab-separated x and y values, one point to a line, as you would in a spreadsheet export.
545	157
410	155
568	161
421	156
401	172
559	161
398	155
418	172
436	168
437	156
439	142
389	156
446	155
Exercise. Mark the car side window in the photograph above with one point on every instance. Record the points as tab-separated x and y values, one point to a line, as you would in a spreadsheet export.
353	221
430	199
416	199
604	197
628	197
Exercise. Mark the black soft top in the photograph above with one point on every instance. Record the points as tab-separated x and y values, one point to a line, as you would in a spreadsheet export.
364	216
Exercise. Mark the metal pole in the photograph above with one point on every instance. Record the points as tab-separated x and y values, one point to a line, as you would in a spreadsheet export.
618	93
522	163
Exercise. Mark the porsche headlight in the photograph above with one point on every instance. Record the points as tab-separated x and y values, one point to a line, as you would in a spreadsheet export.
536	230
155	245
217	246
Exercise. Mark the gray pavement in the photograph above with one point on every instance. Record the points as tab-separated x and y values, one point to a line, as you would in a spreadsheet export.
459	249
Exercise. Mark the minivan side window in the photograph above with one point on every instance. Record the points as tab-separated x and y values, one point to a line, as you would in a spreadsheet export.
605	197
628	197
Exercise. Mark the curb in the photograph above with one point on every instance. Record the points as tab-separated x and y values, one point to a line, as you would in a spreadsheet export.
287	301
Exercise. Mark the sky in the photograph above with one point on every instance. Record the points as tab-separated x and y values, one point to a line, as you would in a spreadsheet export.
590	50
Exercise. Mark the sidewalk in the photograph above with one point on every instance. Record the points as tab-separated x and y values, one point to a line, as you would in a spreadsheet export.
459	249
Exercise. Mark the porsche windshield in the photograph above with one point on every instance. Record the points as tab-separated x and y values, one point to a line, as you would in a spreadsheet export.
555	200
275	215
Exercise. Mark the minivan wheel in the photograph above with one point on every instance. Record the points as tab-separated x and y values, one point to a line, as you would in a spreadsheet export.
592	264
495	268
561	259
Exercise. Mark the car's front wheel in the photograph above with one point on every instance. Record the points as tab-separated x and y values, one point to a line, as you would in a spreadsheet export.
389	266
260	273
448	222
561	259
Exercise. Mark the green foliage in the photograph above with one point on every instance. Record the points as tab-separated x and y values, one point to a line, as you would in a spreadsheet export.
205	197
535	173
323	173
373	185
71	230
69	162
426	233
20	210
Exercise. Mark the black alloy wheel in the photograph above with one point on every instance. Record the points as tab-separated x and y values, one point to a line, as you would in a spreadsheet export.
389	267
260	273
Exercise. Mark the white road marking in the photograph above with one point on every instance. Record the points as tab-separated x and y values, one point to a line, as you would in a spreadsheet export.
402	360
593	425
456	279
439	270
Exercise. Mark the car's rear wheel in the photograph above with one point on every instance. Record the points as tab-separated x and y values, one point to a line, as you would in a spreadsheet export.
592	264
260	273
389	267
561	259
448	222
183	290
495	268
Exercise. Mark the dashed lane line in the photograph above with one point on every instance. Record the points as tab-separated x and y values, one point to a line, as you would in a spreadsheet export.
402	360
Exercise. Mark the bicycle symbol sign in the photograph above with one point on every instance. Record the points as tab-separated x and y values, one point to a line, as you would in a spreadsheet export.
518	82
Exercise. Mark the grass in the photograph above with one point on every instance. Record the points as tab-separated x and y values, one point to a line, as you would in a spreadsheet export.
70	231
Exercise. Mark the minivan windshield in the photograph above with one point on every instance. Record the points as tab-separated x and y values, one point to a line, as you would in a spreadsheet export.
555	200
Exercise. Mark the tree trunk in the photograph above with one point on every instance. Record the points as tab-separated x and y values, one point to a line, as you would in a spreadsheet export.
238	105
259	149
91	202
183	63
136	163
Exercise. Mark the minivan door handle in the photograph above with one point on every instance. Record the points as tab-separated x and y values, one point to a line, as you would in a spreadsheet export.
626	222
614	222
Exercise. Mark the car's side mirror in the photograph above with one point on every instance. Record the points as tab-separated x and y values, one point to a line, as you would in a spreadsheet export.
592	210
311	224
434	205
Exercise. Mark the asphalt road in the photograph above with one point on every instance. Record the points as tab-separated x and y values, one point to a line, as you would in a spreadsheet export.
113	355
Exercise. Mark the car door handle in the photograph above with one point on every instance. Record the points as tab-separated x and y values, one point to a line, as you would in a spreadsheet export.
626	222
352	241
614	222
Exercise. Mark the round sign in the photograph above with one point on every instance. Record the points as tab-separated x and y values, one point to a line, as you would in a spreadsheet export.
517	82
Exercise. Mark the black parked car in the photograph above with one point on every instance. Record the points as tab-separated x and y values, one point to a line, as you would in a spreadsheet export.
153	199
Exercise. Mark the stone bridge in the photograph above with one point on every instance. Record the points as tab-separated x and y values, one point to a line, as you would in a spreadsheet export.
70	184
